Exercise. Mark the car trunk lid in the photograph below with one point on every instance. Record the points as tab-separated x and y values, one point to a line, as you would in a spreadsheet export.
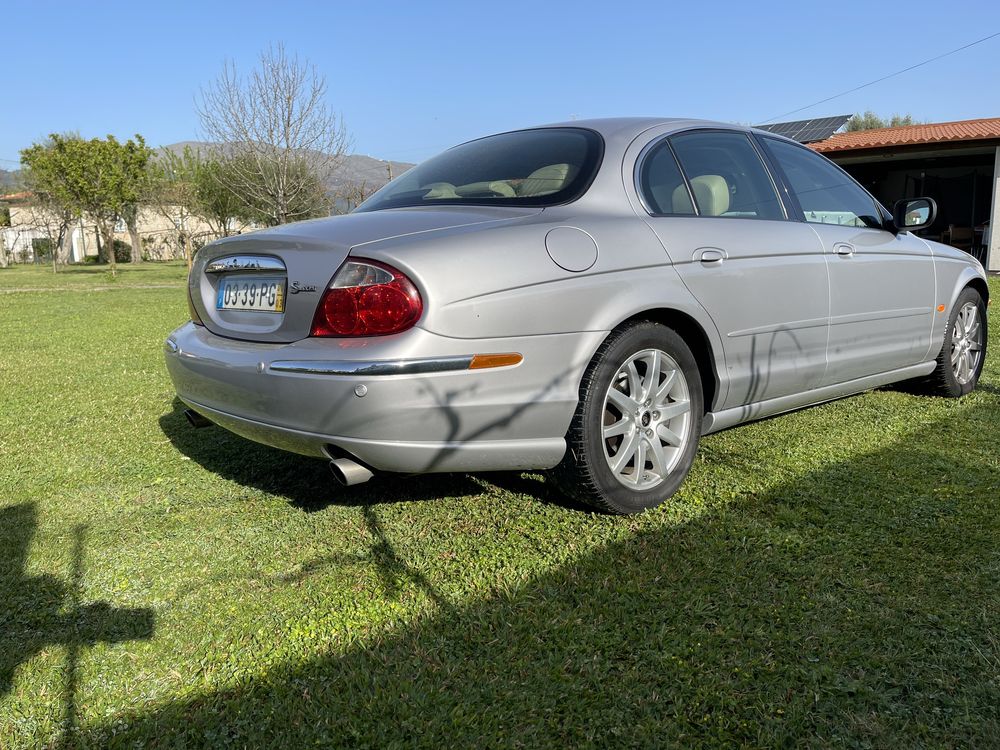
289	267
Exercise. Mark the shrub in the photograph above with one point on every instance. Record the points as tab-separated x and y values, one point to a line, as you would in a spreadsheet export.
42	248
123	252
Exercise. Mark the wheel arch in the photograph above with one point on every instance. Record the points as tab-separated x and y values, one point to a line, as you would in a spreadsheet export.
961	276
980	286
697	339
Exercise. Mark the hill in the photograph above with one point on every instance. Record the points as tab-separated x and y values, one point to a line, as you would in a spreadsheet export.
9	180
353	170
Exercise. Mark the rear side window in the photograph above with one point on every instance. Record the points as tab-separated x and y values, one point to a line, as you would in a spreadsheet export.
826	194
727	176
540	167
662	185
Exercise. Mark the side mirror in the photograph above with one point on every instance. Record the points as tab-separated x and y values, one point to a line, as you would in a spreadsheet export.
914	214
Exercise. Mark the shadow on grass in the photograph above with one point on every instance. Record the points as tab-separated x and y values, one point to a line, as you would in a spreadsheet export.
856	605
305	482
988	388
308	484
39	612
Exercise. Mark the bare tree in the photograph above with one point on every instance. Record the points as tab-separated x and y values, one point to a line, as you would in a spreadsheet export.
352	194
278	133
169	200
52	223
5	229
9	237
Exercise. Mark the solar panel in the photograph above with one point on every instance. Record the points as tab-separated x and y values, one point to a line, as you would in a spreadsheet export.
807	131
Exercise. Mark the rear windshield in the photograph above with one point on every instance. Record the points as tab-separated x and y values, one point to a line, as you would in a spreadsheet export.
542	167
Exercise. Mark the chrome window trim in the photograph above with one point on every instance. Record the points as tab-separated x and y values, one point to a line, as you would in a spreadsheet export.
374	367
245	264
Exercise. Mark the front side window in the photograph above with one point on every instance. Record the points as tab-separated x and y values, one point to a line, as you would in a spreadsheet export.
726	175
826	194
541	167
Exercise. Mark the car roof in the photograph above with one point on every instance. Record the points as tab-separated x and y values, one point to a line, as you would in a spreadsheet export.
628	128
623	130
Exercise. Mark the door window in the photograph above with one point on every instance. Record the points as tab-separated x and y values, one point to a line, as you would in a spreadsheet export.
726	175
662	185
825	192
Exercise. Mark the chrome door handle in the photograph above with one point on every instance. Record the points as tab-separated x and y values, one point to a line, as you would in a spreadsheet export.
842	248
710	256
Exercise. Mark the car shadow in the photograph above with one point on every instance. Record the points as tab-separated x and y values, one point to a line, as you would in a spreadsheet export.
853	605
307	484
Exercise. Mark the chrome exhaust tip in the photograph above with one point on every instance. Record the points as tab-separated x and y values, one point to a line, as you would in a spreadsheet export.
196	420
349	472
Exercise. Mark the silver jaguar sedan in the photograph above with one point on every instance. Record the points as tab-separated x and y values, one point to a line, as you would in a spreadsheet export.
589	297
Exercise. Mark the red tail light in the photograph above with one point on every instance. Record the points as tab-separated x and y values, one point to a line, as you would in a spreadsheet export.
367	298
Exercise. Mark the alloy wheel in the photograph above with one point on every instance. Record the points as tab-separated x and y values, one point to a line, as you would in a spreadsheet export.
646	419
966	343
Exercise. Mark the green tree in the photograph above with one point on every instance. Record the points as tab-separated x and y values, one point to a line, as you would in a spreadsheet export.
102	178
192	184
868	120
133	159
53	207
216	203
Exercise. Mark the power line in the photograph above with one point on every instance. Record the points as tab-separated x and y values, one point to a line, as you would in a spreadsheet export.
884	78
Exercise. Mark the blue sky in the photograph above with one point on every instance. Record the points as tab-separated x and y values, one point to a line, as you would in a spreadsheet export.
411	78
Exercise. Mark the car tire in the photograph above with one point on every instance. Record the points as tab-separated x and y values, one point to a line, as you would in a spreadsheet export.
641	400
960	361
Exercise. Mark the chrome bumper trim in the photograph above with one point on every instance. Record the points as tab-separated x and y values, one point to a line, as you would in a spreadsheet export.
171	346
375	367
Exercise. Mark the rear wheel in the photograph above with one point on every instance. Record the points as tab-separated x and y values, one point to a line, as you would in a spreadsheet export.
635	432
960	361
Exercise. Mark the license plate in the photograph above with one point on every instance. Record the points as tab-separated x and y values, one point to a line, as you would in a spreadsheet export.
251	293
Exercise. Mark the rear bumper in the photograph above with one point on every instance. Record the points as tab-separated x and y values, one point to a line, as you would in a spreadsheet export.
410	457
438	417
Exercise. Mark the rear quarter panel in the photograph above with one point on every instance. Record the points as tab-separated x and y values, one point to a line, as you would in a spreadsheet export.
500	282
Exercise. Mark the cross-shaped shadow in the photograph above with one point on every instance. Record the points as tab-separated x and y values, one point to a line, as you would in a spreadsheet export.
37	612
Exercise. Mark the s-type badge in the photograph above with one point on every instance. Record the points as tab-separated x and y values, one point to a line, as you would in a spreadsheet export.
296	287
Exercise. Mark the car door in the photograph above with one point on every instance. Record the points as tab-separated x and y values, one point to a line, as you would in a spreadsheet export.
762	279
882	284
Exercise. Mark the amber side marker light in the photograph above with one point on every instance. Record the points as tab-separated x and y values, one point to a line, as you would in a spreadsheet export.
485	361
940	308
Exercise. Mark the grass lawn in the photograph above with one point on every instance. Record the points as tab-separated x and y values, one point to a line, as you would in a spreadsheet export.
826	578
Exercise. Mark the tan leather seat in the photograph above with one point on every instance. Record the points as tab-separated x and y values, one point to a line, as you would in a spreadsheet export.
711	193
439	191
548	179
500	188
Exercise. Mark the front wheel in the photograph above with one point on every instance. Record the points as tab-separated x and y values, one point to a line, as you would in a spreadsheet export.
960	361
636	428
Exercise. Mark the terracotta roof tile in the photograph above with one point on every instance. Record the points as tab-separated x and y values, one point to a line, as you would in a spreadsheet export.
909	135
